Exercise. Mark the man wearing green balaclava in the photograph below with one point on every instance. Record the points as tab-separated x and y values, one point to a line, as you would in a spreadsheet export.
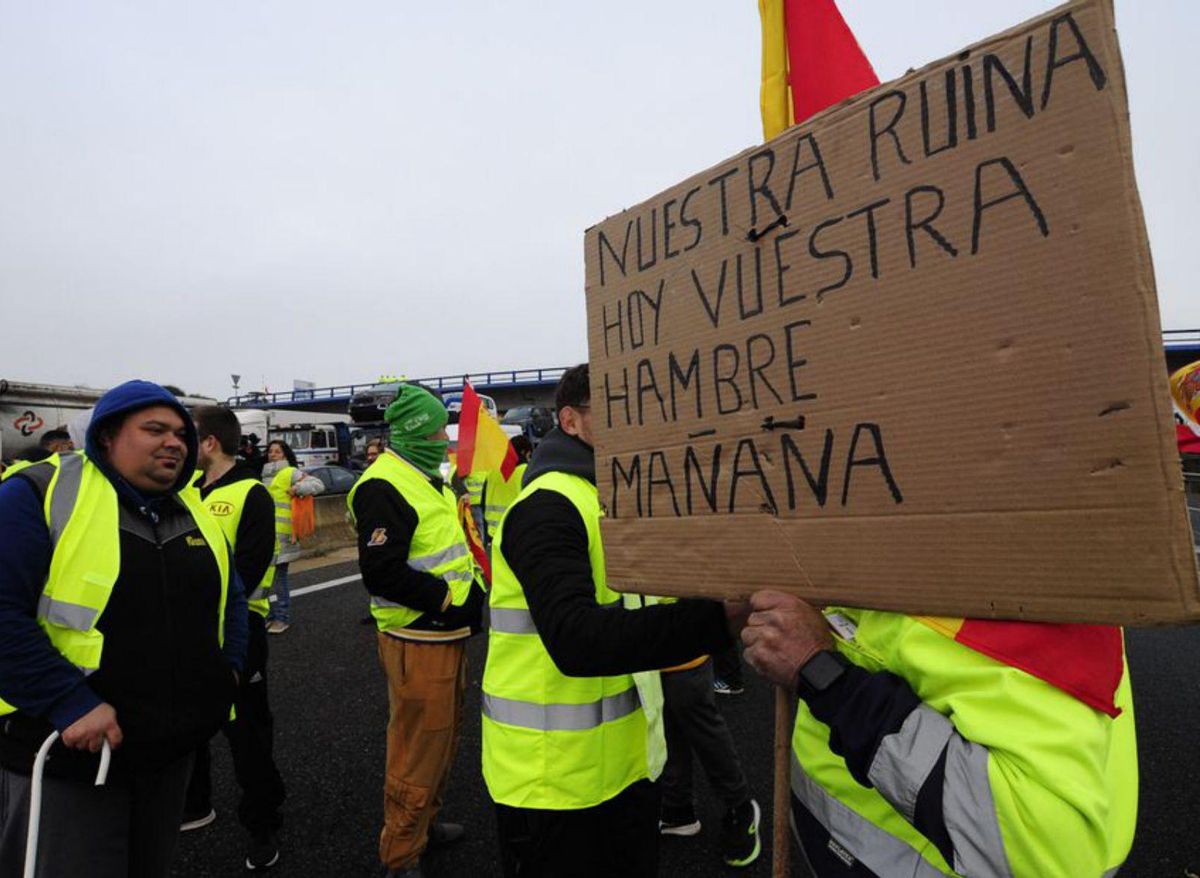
417	420
426	598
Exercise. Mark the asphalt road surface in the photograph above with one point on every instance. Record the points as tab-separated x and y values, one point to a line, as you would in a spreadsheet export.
330	705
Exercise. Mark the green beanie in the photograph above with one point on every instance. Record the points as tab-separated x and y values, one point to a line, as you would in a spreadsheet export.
415	413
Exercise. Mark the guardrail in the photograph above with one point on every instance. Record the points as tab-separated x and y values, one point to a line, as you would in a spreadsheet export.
440	383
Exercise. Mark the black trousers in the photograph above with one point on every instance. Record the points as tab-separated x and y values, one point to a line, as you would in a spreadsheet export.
727	665
126	829
615	839
251	737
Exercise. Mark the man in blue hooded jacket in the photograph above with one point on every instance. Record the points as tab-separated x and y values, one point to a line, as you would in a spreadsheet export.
123	623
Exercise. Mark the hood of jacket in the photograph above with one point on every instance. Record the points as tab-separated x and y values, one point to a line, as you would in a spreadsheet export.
563	453
125	399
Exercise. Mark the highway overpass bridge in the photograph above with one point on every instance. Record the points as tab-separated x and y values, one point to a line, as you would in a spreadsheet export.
510	387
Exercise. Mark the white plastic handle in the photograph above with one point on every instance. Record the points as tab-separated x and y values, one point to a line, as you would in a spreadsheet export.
35	796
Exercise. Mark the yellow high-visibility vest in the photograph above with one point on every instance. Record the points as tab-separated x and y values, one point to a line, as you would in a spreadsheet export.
281	494
498	495
551	741
82	516
1038	782
226	504
438	545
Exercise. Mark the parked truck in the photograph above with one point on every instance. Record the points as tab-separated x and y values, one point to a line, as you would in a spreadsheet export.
28	410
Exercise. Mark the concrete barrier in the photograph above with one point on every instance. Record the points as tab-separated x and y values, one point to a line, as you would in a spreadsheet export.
334	530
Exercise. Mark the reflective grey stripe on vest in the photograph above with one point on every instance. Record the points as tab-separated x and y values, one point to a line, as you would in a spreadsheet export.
259	594
904	759
66	492
560	717
428	562
877	849
281	505
384	603
1111	873
970	812
511	621
66	615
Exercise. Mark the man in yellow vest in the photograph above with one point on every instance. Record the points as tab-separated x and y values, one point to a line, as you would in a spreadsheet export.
124	623
426	599
927	746
572	725
242	506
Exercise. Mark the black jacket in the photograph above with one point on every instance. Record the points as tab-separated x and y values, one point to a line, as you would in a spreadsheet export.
545	544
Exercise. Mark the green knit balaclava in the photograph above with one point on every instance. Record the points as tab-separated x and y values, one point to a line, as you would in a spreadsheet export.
413	415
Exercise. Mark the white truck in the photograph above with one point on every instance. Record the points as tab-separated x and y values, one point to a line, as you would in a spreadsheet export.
27	410
316	437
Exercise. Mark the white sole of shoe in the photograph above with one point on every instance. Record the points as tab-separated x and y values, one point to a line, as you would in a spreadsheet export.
267	865
199	823
683	830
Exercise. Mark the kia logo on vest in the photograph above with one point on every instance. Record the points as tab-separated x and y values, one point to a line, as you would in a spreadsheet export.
221	508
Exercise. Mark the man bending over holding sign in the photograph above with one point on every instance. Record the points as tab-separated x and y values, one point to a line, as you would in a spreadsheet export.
925	745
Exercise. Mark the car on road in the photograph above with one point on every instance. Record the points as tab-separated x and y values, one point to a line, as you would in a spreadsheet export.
534	420
336	479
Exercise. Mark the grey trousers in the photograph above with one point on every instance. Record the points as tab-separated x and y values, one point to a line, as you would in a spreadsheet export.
694	726
122	831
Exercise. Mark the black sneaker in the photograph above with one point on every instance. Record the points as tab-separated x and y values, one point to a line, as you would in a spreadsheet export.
740	844
723	688
263	853
681	823
445	833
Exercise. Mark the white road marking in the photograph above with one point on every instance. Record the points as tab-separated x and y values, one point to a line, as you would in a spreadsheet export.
321	586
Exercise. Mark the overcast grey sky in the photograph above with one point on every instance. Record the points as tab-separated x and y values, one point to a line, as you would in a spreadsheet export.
328	191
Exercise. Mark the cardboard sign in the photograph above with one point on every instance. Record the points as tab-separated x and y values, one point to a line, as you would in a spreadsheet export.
904	356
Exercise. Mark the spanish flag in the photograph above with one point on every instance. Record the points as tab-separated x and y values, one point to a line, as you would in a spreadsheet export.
1085	661
810	60
1185	394
482	446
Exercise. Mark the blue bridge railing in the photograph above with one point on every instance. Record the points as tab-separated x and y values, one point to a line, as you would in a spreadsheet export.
1181	338
441	383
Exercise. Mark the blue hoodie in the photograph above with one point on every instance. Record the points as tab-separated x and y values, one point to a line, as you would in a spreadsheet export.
33	675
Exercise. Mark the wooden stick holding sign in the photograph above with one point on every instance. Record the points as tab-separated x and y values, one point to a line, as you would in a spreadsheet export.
781	830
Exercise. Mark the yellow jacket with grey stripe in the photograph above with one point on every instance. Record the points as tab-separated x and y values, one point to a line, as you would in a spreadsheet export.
551	741
929	758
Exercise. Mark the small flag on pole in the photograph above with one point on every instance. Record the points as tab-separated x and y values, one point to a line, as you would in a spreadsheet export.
482	445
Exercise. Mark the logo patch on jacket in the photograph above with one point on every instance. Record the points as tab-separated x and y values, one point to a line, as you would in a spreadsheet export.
196	541
220	507
378	537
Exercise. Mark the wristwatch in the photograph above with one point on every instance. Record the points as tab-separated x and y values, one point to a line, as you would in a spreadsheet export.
820	672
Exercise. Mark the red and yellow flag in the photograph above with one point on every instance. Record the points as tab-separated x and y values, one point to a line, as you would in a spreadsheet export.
810	60
474	542
482	445
1185	394
1085	661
